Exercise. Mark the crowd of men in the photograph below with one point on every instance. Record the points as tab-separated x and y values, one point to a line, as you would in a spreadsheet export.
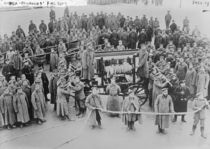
173	71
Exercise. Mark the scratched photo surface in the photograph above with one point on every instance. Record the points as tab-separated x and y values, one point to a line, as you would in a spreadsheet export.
69	127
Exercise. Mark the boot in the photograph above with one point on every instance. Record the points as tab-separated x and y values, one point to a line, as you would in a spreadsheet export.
129	125
164	131
193	130
175	118
202	133
99	123
159	129
132	126
183	119
78	114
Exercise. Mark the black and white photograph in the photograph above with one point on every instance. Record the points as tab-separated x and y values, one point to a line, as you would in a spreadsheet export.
104	74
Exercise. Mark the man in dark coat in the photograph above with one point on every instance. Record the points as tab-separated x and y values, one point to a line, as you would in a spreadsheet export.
125	38
158	40
176	37
144	21
27	70
133	37
17	61
19	46
66	11
114	38
101	21
32	27
168	18
45	82
53	89
137	23
20	31
173	26
51	26
122	21
182	93
142	38
84	22
181	69
149	32
43	27
52	15
8	70
143	69
186	27
151	22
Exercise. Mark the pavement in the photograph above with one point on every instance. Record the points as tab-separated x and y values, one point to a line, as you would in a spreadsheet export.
55	132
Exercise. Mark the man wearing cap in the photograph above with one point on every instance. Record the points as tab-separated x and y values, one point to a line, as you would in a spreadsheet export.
17	63
143	69
39	104
32	27
156	24
182	94
53	88
113	101
20	31
131	104
181	69
168	18
62	105
51	27
158	41
202	82
88	63
190	79
52	15
173	26
200	103
45	82
132	39
186	27
20	104
114	38
79	95
142	38
93	102
8	109
43	27
53	60
158	85
163	104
